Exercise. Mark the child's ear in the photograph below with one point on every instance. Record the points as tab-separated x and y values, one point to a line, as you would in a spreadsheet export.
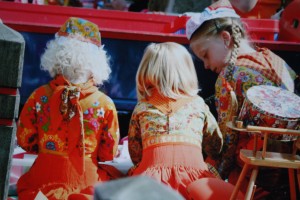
225	35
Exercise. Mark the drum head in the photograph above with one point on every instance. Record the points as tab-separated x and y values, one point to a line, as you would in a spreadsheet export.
274	101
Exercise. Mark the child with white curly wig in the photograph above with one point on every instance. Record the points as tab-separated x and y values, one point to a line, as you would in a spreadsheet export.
68	122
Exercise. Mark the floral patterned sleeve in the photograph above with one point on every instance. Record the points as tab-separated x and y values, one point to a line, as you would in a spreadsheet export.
135	139
243	79
110	136
212	136
27	130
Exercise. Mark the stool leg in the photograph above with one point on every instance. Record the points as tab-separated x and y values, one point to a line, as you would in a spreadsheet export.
251	183
292	184
239	181
253	192
298	178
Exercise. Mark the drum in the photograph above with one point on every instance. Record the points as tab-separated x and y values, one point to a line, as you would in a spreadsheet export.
271	106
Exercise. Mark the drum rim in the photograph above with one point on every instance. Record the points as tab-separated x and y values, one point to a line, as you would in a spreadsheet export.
295	119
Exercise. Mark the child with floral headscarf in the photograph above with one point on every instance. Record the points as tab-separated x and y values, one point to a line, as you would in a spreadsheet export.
68	122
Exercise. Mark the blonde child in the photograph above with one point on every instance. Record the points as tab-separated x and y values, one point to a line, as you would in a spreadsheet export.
218	38
170	123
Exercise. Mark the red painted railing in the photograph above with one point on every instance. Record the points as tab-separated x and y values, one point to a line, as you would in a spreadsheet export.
127	25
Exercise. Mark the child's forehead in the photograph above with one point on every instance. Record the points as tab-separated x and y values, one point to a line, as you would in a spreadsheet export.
201	43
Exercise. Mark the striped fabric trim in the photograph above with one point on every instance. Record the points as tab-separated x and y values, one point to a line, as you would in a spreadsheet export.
167	105
164	139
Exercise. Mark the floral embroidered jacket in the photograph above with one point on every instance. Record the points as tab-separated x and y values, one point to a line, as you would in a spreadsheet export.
189	122
260	68
47	123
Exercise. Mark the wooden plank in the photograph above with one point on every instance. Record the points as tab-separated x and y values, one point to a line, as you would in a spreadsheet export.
9	106
12	47
11	55
272	159
273	130
7	138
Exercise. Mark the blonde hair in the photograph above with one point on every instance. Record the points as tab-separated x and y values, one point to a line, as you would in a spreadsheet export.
76	60
214	27
167	67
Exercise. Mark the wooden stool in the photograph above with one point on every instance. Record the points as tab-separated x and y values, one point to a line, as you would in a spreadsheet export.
264	158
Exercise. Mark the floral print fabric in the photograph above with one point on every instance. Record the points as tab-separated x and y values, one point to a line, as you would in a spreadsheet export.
89	135
260	68
166	139
192	124
86	29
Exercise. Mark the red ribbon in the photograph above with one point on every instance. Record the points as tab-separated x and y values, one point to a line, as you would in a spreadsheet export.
6	122
8	91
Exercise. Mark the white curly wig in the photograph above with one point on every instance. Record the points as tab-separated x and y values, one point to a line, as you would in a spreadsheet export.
76	60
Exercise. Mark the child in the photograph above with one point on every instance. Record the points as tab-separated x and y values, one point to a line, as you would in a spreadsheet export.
171	122
68	123
218	38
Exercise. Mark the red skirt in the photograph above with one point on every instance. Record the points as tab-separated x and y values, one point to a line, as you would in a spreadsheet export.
176	165
56	177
